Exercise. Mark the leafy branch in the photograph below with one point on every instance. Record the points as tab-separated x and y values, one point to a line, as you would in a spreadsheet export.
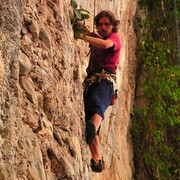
80	15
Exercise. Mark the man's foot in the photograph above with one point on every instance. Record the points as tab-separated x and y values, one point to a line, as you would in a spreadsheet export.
96	167
90	132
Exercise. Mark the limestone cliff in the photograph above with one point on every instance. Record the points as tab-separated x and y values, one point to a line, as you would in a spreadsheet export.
42	69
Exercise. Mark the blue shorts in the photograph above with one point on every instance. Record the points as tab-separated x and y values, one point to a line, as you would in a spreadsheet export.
97	99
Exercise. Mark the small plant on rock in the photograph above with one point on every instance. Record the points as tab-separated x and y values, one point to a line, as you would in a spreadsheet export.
80	15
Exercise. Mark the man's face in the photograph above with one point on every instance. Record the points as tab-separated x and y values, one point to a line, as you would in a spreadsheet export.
104	27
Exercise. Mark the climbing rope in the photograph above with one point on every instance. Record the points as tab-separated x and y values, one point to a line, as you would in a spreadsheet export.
177	29
94	13
92	48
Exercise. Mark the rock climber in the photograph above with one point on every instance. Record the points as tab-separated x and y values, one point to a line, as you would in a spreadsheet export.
99	85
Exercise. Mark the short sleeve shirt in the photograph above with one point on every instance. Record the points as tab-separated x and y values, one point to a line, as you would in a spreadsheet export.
106	58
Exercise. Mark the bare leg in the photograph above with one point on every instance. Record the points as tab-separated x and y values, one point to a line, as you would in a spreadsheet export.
96	119
95	146
95	150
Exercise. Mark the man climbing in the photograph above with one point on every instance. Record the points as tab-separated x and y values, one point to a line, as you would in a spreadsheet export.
99	84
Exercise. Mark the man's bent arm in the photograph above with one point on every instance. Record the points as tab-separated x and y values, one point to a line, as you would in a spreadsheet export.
100	43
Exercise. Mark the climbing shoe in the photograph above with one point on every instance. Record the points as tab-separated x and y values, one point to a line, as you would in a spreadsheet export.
96	167
90	132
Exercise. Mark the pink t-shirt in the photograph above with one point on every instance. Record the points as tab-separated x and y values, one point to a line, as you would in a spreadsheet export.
106	58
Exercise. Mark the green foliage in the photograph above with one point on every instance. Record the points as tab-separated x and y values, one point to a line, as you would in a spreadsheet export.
80	14
156	125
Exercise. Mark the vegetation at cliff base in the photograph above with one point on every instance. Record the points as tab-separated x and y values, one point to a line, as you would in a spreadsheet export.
155	127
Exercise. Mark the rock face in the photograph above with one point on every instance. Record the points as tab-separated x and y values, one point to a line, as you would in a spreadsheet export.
41	105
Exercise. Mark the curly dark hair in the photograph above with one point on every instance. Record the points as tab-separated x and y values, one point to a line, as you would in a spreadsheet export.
106	13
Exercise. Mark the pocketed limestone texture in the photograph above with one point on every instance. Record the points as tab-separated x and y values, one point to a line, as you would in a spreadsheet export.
42	69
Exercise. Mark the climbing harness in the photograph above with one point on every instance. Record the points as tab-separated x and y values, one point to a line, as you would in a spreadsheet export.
97	78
